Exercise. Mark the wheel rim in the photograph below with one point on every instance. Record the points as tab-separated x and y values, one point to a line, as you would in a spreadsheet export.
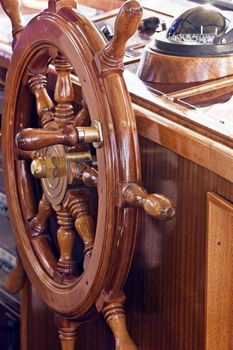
76	298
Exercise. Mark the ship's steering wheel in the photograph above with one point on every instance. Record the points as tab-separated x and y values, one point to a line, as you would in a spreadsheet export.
72	163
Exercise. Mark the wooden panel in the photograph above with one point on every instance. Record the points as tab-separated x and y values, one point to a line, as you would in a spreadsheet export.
219	307
166	287
38	331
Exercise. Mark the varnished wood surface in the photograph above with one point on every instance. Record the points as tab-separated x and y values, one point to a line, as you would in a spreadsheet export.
219	283
38	330
167	284
181	69
205	121
169	264
200	149
128	170
99	67
207	143
16	278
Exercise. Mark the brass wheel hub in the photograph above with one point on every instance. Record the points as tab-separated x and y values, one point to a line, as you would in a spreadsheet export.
51	168
54	167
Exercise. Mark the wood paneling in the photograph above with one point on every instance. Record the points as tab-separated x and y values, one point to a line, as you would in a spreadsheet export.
219	308
38	331
166	285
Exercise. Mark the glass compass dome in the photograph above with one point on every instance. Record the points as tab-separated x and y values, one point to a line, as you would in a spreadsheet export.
199	31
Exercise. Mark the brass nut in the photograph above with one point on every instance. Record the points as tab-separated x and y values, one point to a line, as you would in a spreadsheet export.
44	167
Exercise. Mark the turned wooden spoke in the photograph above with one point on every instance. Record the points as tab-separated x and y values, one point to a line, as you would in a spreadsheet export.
82	118
67	333
68	135
77	203
39	239
64	92
66	266
126	24
83	174
38	65
35	139
116	319
114	314
44	104
24	155
12	8
39	224
57	5
26	189
89	176
157	205
16	278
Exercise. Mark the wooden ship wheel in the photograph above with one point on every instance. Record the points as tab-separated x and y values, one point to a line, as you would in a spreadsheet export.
72	165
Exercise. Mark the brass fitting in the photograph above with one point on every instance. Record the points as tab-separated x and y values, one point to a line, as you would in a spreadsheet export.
45	167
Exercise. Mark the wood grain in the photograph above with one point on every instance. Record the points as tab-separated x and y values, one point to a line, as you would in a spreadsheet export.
12	9
219	282
166	285
182	69
190	144
183	156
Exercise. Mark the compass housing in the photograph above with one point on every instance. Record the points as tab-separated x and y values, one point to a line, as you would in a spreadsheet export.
197	47
202	31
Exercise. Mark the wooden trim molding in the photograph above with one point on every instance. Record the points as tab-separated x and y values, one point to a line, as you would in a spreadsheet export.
189	144
219	286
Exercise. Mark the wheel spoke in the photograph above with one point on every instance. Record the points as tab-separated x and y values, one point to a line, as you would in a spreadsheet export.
83	174
76	202
39	239
23	155
82	118
64	92
67	333
68	135
39	224
114	313
26	189
16	278
45	107
13	11
66	266
34	139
